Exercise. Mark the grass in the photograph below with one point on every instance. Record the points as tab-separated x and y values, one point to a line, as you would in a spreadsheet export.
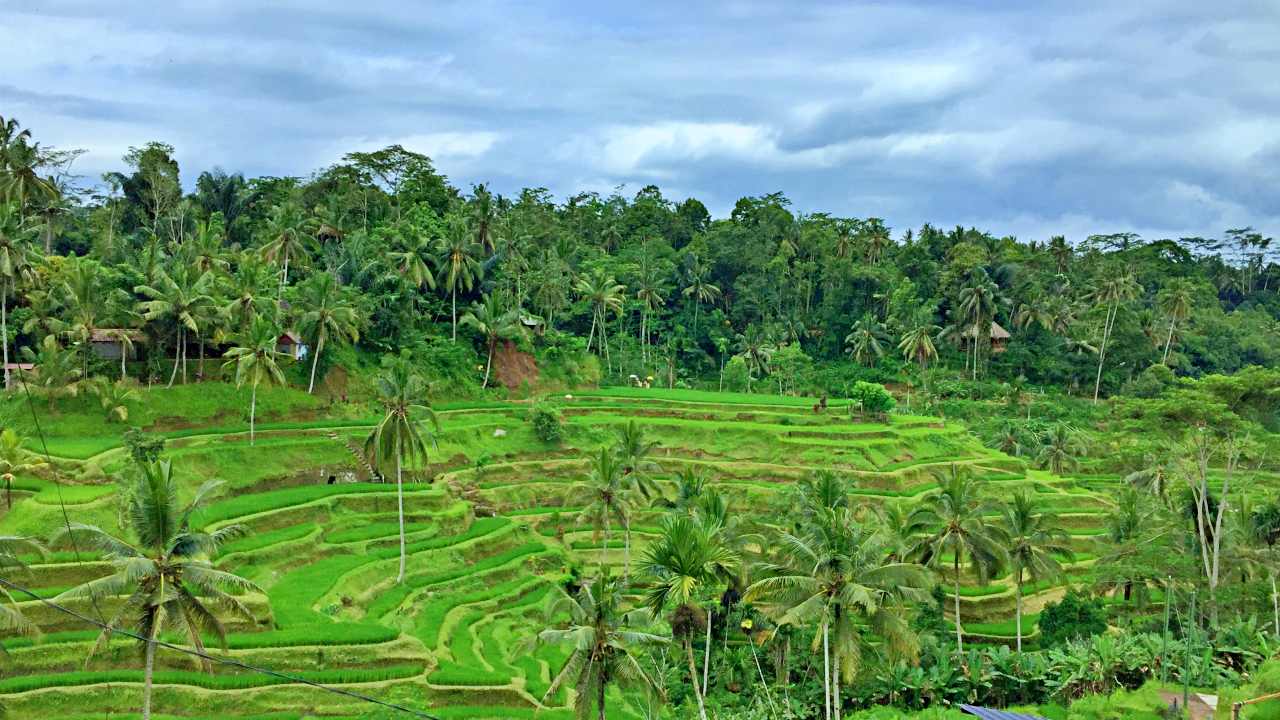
210	682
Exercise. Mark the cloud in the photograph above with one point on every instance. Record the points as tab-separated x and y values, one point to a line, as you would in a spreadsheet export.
1016	116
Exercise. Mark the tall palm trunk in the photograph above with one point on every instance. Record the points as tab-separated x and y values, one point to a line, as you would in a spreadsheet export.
284	280
835	688
600	688
4	328
626	549
706	653
177	356
1102	351
124	355
1168	341
453	293
488	364
315	360
1275	605
959	639
826	671
1017	609
400	512
693	677
253	409
148	672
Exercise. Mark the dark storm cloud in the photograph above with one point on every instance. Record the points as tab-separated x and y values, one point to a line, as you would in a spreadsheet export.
1030	119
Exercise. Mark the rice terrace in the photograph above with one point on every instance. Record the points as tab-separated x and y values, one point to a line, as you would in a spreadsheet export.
700	361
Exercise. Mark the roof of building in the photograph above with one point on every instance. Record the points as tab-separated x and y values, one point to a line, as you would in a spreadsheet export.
997	332
113	335
289	336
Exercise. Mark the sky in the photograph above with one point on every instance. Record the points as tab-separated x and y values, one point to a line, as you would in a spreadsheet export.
1021	118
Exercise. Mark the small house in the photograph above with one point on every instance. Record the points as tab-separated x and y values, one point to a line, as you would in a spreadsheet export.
290	344
999	337
115	343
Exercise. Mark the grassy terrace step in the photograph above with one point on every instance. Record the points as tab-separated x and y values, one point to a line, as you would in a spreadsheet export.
27	683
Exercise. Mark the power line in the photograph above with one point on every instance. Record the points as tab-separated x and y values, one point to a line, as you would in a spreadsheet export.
213	658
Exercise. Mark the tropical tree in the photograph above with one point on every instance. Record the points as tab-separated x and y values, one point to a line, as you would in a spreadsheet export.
606	497
181	296
288	233
838	574
650	293
1175	299
917	343
248	290
1061	444
699	288
682	563
756	350
493	324
327	313
398	438
15	266
604	645
12	548
164	577
14	460
412	257
1035	542
256	361
1111	293
957	530
458	264
865	343
605	295
978	302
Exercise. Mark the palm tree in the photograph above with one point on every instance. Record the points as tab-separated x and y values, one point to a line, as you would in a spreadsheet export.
257	361
1061	252
326	313
605	295
685	559
248	289
649	292
1061	445
458	264
413	257
1175	300
605	496
493	323
288	234
978	301
700	289
604	646
755	348
14	460
182	296
15	267
484	216
1111	293
166	578
12	548
839	574
1035	542
84	299
398	437
917	343
21	183
954	516
864	342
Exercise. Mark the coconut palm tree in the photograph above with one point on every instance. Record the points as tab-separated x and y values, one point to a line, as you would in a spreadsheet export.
1175	299
15	267
650	292
14	460
1061	253
288	233
865	342
838	574
699	288
493	323
917	343
248	290
1111	293
605	295
412	257
605	497
978	302
21	182
164	573
84	298
12	548
181	296
256	361
1061	444
682	563
484	217
955	520
398	437
1035	542
327	313
754	347
458	263
604	645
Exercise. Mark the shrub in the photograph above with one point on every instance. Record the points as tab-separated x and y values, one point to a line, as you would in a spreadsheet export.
547	424
1076	616
143	448
871	398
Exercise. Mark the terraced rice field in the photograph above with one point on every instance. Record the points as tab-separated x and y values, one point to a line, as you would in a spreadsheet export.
488	540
